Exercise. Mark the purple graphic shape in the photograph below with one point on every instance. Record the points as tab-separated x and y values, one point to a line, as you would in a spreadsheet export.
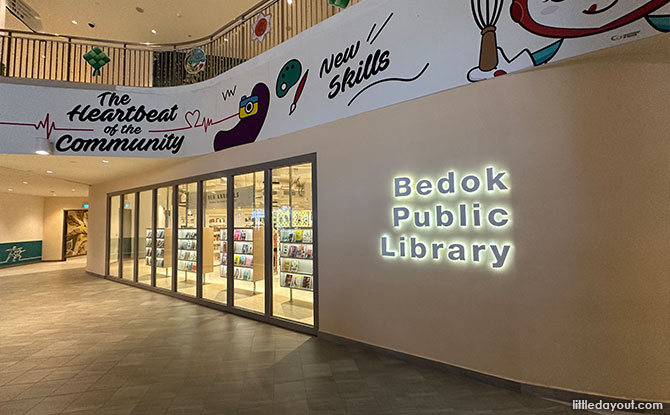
247	129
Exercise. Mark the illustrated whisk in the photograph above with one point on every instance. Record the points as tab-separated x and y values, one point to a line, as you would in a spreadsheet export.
486	18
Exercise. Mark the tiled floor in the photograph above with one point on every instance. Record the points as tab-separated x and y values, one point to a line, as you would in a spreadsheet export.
73	343
71	263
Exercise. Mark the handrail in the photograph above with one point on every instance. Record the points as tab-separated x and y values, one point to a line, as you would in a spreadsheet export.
167	46
59	57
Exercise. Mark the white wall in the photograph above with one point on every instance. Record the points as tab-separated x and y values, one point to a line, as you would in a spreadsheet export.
20	217
585	304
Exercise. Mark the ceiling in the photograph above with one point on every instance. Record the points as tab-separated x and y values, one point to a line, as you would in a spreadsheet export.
173	20
67	173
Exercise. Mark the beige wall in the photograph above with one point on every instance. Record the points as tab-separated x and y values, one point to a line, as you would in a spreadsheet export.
52	247
20	217
585	304
3	11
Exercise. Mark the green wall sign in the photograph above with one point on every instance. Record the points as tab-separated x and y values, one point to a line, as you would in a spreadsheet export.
15	253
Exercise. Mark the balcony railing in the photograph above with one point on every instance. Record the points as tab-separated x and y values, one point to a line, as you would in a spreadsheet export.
60	58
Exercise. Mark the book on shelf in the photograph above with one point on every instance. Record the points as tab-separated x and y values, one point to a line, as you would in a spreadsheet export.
307	236
294	265
287	280
247	261
297	281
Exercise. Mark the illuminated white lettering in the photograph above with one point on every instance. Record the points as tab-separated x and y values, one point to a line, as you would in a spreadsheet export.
401	186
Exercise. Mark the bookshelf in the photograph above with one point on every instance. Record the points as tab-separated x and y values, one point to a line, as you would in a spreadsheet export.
248	259
187	254
296	259
163	247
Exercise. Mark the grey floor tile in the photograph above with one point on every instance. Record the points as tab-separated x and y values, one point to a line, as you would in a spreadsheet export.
99	347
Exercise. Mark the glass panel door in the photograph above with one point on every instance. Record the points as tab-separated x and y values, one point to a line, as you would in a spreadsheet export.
187	238
128	237
145	253
215	202
114	231
249	242
293	240
164	238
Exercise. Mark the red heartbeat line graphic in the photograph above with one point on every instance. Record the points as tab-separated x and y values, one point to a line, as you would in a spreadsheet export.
47	124
193	119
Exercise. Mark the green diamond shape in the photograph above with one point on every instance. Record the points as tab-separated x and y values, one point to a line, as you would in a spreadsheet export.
97	58
339	3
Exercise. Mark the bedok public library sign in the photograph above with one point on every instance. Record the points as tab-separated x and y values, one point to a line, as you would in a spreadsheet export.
373	54
461	219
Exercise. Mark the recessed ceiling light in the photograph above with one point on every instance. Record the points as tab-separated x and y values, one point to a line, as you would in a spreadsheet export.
153	31
74	22
178	14
10	190
225	39
54	195
25	182
105	161
42	152
49	172
73	190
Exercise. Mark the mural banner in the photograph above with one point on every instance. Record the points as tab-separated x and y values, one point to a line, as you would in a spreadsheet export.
371	55
16	253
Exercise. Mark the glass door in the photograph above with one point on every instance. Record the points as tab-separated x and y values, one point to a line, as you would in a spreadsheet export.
128	241
248	241
187	238
114	233
163	237
293	277
146	235
215	272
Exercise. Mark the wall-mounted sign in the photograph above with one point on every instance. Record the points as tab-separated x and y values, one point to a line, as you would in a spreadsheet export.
195	61
455	218
374	54
85	206
15	253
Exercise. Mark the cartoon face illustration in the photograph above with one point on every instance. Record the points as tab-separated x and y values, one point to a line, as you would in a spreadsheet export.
577	18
